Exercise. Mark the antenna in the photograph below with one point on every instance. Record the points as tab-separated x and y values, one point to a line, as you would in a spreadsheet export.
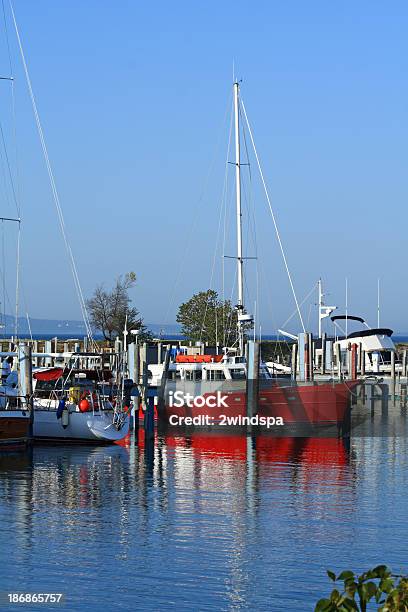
378	302
324	311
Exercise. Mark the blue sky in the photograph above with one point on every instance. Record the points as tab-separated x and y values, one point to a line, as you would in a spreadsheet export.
133	99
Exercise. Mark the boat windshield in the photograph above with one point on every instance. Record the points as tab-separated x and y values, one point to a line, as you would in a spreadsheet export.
238	374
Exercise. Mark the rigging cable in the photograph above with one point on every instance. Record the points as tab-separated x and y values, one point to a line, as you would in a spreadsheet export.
313	289
53	185
273	218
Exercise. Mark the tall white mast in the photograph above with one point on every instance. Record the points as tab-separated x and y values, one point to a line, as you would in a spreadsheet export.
240	303
378	302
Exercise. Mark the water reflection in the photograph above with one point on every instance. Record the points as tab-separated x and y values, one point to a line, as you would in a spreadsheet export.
205	521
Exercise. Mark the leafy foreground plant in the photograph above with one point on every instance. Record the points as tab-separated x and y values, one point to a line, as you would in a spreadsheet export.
379	585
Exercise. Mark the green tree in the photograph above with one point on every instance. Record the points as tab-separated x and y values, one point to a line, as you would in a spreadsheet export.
108	310
207	318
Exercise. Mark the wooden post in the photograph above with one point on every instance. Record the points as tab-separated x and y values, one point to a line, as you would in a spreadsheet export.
35	350
403	395
362	360
371	394
294	360
301	356
252	383
307	360
338	360
148	405
135	411
311	360
133	362
352	374
393	365
66	350
161	405
149	418
143	357
384	398
48	349
308	357
392	386
76	350
323	364
25	379
404	362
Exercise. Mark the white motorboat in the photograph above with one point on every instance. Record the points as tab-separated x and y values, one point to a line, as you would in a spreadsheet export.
376	343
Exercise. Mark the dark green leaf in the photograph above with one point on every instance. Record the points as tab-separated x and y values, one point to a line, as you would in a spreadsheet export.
335	595
350	604
331	575
350	587
347	574
386	585
323	605
372	590
381	571
362	591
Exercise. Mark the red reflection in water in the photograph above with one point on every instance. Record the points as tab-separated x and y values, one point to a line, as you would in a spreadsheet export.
267	449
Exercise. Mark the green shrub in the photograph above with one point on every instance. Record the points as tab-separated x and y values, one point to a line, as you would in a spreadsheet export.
389	591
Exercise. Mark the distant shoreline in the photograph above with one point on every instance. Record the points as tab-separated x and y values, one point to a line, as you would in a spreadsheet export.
397	338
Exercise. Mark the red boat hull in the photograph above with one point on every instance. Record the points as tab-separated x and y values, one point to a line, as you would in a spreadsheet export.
322	404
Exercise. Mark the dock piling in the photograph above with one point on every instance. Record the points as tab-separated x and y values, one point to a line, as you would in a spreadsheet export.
252	386
25	366
323	363
294	360
393	365
149	418
161	407
338	360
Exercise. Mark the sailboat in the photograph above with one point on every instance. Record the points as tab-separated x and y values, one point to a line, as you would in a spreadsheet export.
205	377
64	406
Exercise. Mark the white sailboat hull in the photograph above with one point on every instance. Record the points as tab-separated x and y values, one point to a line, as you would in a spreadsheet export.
96	427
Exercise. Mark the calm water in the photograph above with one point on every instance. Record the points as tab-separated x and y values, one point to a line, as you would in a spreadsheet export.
204	523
